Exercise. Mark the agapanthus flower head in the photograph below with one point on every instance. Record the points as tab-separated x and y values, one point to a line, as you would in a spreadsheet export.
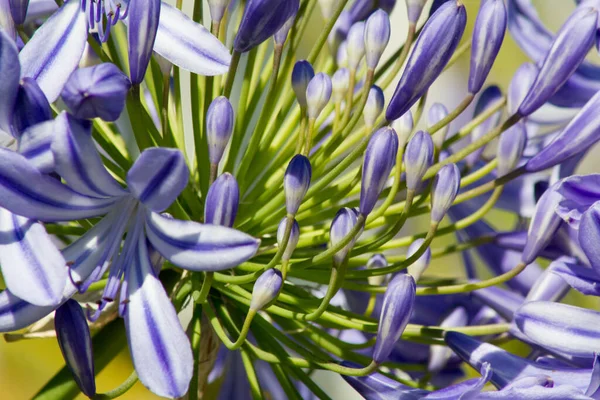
219	127
431	53
296	182
266	288
318	93
380	157
96	92
377	36
417	158
302	74
261	20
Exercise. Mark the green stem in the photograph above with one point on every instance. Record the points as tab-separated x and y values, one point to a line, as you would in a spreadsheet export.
235	60
231	345
121	390
338	272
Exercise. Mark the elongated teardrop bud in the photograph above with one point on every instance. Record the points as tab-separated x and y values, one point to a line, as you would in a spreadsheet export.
97	92
217	9
436	113
379	161
343	222
397	307
375	262
488	35
373	106
579	135
445	188
302	74
296	182
417	159
488	98
18	9
355	45
417	268
340	82
222	201
404	127
141	34
510	148
377	36
266	288
261	20
293	239
219	127
31	106
519	86
318	94
414	9
432	51
281	35
75	343
568	50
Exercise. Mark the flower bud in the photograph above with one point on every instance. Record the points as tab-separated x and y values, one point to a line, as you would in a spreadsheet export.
341	56
519	86
222	201
380	157
75	343
414	9
293	239
328	8
488	35
97	92
219	127
436	113
355	45
397	307
578	136
510	148
403	127
377	261
217	9
141	34
417	159
31	106
377	36
417	268
302	74
373	106
432	51
18	9
340	83
318	94
281	35
445	188
342	224
261	20
568	50
490	96
296	182
543	225
266	288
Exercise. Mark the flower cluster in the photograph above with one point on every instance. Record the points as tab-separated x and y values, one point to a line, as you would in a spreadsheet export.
180	186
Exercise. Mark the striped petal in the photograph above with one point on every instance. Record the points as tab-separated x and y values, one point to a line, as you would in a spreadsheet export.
559	327
578	193
589	235
10	71
7	23
189	45
32	266
157	177
77	160
468	389
160	350
55	49
141	33
583	279
84	254
35	145
507	368
377	386
25	191
199	247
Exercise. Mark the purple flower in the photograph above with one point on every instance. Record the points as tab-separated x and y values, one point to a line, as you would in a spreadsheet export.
355	45
417	159
377	36
436	113
318	93
510	148
301	76
431	53
261	20
31	106
96	92
445	188
293	239
414	9
488	35
380	157
373	106
519	85
222	201
217	9
266	289
296	182
219	127
417	268
343	222
340	83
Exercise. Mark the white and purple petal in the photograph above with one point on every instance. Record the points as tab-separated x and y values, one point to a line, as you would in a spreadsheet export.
35	145
10	71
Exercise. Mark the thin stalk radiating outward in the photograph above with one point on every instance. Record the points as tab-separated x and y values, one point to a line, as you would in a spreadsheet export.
318	46
136	113
391	75
200	297
231	345
235	61
195	333
120	390
338	272
453	114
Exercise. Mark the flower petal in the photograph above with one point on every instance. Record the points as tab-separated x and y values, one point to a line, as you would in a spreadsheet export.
559	327
32	266
10	71
35	145
141	33
77	160
468	389
578	193
583	279
157	177
25	191
589	235
199	247
55	49
160	350
189	45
